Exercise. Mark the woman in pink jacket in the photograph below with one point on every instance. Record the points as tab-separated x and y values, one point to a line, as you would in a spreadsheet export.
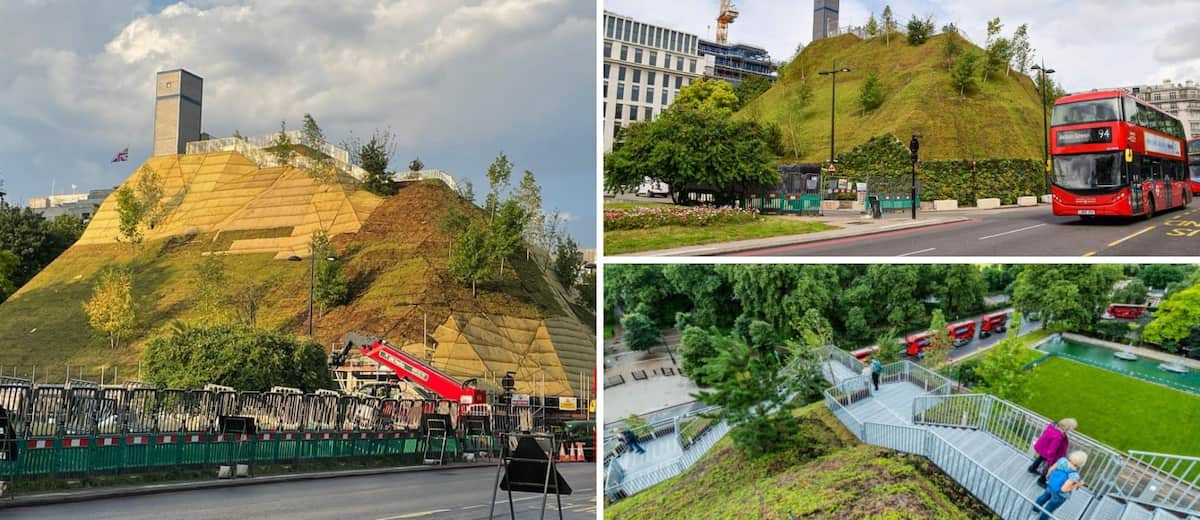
1051	446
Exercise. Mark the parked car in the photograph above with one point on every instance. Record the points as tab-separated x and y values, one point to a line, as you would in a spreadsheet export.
653	188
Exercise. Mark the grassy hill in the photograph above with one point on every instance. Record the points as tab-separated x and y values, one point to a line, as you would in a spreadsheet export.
1001	120
396	261
832	477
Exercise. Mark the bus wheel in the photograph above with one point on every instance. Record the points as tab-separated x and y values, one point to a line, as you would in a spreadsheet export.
1149	208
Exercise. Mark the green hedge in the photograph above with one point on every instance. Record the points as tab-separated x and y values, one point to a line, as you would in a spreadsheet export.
887	157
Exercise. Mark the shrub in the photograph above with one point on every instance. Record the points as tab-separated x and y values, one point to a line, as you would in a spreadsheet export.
236	356
645	218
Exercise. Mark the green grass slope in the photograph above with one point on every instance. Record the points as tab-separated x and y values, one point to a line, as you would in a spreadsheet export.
1001	120
397	265
832	477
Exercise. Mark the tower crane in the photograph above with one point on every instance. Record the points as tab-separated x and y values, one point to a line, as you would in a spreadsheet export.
727	15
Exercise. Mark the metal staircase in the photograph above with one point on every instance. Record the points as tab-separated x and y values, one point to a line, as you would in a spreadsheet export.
981	442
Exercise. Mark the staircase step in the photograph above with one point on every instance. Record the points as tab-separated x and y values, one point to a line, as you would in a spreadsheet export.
1136	512
1162	514
1107	508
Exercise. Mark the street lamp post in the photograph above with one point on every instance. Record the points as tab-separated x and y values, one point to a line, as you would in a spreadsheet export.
832	114
312	283
1045	123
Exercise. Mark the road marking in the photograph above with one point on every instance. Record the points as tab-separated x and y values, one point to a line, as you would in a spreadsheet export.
416	515
1027	228
919	252
1114	243
1090	253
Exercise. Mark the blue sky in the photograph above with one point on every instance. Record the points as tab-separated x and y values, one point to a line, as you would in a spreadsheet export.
457	82
1092	44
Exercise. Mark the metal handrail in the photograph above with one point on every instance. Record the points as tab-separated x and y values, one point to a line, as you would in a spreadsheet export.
1146	478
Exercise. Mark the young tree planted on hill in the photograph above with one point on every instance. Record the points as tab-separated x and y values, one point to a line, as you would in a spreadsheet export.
999	49
129	215
1022	50
331	288
282	147
1003	369
505	235
110	309
919	30
373	157
248	297
889	24
470	261
416	165
150	197
870	97
951	50
964	73
568	262
794	102
872	27
466	190
529	198
498	173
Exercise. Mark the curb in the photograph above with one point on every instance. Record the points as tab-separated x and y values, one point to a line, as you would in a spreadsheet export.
742	246
67	497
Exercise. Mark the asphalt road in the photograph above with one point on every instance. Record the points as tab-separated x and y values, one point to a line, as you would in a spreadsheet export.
1021	232
982	343
454	494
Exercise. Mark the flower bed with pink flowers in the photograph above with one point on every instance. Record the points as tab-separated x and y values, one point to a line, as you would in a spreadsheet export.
645	218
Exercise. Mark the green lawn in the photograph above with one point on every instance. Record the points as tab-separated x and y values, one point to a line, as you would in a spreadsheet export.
629	204
635	240
1123	412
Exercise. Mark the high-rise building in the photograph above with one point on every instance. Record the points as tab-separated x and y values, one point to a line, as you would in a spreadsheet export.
644	67
735	62
178	98
825	18
1181	100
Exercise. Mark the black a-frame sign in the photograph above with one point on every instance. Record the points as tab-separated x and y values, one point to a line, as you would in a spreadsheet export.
527	465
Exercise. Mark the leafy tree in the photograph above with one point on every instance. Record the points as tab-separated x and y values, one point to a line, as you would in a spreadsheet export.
753	396
505	235
872	27
794	102
741	327
587	290
498	174
129	215
919	30
330	286
630	286
1022	51
889	24
1160	276
761	336
110	309
998	55
1066	295
997	278
951	50
870	97
749	89
857	328
1132	292
964	73
236	356
889	346
779	293
1113	330
683	320
529	197
938	350
374	156
959	287
639	331
281	148
8	266
814	329
1003	369
150	197
469	255
1053	90
35	241
568	262
311	135
699	346
1176	321
416	165
706	290
466	190
706	94
209	281
686	147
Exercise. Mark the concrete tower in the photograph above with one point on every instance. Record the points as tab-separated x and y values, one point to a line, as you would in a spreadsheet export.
825	18
179	94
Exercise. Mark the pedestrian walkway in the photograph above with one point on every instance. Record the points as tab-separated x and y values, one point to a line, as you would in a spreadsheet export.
627	472
981	442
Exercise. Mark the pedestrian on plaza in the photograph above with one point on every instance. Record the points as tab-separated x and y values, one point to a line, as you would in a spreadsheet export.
631	441
1051	446
876	371
1062	481
866	374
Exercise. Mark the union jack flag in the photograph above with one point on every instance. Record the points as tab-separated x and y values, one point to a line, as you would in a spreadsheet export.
122	155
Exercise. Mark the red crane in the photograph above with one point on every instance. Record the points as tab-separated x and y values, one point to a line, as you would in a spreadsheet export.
726	16
408	367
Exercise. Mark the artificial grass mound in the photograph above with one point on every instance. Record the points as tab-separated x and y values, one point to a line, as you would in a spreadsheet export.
831	476
1001	120
396	261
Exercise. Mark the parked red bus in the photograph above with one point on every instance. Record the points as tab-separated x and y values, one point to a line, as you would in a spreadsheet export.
997	322
864	353
1116	155
1124	311
1194	164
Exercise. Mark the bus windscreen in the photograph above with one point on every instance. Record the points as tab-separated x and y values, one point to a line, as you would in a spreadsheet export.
1088	171
1080	112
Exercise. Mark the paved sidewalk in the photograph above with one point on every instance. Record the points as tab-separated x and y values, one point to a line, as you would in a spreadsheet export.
81	495
849	224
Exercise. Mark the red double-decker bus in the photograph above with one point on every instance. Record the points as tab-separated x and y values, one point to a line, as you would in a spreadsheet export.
1115	155
1194	164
